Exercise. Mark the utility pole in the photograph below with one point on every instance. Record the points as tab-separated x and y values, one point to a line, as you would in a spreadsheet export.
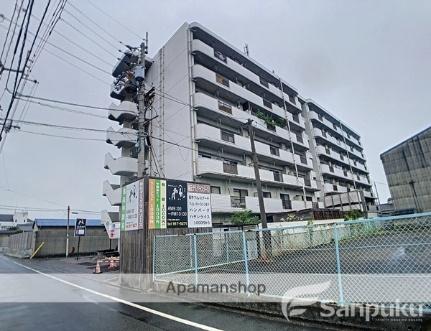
67	231
139	73
257	175
266	235
377	194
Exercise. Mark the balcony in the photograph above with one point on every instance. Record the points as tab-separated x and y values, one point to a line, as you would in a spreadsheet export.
330	188
272	205
122	166
122	138
299	204
112	192
213	134
303	160
199	46
241	93
108	217
221	203
218	168
126	111
326	136
335	171
213	108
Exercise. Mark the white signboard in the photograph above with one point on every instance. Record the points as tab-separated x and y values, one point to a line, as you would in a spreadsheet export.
132	206
113	230
198	205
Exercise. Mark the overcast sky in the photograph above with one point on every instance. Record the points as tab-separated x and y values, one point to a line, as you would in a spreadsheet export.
368	62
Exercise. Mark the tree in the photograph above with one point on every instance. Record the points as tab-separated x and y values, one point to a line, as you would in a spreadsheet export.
245	217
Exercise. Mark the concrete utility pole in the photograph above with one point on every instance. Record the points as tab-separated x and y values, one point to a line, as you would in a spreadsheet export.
140	76
257	174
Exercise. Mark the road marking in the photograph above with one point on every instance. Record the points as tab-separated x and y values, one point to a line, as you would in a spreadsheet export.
125	302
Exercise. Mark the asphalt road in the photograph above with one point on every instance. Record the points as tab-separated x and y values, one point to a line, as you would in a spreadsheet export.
92	314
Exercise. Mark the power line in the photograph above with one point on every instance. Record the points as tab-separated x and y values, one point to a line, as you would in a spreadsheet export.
115	20
67	103
72	55
96	24
65	127
63	109
87	37
86	50
61	136
90	29
16	82
8	30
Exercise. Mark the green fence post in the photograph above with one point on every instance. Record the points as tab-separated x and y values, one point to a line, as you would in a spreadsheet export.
337	255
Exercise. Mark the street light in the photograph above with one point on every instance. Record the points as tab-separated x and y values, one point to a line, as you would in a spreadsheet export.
67	229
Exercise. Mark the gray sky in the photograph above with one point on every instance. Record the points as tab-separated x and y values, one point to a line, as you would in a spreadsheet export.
368	62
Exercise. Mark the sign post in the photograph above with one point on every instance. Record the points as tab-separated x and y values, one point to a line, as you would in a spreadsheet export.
80	227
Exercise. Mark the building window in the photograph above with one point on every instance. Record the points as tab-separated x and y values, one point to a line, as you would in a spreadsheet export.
309	198
345	172
215	190
237	200
285	200
324	133
320	117
227	136
335	188
334	126
263	82
341	156
299	137
292	99
219	55
303	159
267	103
230	167
224	107
208	156
278	177
274	150
222	80
331	168
295	118
327	150
265	194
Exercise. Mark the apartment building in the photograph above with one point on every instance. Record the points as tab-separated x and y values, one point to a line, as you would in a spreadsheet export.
205	92
339	161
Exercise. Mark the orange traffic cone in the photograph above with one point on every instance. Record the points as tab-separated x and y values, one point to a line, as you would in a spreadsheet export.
97	269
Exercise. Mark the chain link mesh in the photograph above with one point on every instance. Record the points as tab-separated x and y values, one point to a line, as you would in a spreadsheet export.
380	260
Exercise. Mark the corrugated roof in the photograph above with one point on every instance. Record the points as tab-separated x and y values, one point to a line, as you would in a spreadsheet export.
60	222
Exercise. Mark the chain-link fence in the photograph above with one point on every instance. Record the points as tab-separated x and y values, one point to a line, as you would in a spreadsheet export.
381	260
